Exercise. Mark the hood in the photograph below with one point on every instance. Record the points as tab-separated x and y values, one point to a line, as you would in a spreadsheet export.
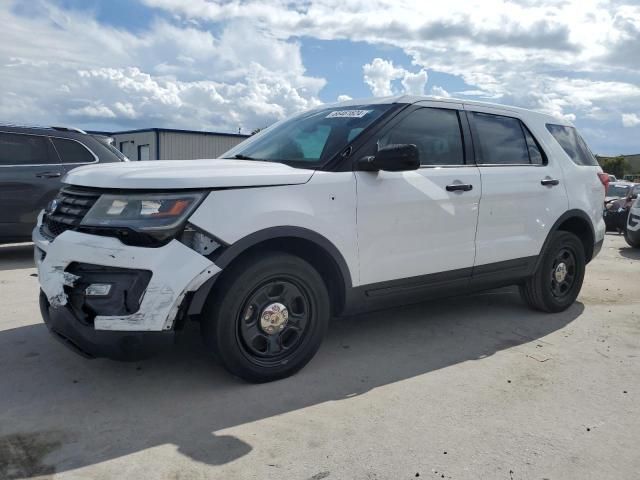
177	174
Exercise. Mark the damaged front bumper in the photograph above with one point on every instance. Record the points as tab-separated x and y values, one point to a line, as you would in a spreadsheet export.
148	289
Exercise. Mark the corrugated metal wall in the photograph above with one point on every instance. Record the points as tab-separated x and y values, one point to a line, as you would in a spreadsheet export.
185	146
128	143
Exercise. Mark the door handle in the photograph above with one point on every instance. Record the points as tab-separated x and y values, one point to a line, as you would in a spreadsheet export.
48	174
459	187
550	182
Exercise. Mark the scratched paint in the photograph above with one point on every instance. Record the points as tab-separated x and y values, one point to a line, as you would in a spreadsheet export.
176	270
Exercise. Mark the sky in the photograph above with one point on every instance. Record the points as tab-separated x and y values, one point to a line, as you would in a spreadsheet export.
243	64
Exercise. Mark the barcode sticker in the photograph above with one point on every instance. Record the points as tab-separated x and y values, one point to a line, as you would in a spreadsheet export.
348	114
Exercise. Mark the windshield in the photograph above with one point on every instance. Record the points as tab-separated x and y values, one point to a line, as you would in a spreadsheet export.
310	139
617	190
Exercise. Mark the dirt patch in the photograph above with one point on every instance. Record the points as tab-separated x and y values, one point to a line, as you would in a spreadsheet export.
22	455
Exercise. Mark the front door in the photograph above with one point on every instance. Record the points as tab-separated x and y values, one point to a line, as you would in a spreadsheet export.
419	226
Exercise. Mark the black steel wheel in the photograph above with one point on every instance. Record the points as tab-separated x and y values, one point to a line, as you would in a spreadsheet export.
267	316
274	319
557	281
563	272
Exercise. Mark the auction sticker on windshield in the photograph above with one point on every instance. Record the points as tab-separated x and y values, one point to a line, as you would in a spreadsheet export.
348	114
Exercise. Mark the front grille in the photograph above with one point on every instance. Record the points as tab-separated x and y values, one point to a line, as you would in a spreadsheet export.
73	203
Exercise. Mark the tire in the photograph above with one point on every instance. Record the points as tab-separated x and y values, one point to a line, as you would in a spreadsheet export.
268	317
544	291
630	241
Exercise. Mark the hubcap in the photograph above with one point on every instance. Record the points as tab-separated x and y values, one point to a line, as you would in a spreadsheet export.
274	318
561	272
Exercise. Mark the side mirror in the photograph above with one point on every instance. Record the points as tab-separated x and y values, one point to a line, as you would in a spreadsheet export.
392	158
634	196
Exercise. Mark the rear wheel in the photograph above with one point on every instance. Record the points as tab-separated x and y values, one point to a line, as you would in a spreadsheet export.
558	279
268	317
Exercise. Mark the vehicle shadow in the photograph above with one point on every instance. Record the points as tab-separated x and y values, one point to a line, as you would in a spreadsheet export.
60	412
16	256
628	252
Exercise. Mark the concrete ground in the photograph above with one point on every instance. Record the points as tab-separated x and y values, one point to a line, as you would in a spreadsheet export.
465	388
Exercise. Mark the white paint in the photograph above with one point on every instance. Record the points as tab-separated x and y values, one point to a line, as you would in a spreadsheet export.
211	173
175	268
325	205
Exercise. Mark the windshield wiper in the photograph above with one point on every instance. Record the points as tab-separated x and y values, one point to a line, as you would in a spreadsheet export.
240	156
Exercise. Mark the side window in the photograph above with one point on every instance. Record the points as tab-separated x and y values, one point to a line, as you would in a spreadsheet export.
436	132
17	149
71	151
501	140
573	144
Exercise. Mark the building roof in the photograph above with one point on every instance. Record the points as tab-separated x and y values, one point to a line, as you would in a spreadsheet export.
175	130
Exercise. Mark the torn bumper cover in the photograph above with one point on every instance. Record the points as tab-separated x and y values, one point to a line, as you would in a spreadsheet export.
148	287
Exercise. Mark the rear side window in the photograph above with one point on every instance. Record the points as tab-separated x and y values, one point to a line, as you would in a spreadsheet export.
71	151
501	140
23	149
573	145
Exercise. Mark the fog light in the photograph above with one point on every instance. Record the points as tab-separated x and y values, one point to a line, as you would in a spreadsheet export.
97	290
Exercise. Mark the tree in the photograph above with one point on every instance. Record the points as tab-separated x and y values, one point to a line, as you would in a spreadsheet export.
614	165
256	130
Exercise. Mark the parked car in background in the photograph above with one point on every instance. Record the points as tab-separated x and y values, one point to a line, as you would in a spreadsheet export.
33	160
612	178
632	232
620	196
341	209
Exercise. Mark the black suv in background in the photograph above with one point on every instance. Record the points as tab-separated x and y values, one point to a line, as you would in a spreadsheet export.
33	160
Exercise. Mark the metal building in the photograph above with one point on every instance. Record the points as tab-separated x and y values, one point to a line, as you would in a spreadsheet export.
171	144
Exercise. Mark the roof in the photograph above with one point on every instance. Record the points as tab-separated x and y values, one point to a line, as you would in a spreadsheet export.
423	98
175	130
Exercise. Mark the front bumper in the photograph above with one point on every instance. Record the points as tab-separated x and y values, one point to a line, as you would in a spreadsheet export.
175	271
633	224
92	343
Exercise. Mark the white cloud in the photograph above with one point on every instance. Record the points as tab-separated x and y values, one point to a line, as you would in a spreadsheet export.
630	120
380	75
543	54
437	91
218	64
78	71
344	98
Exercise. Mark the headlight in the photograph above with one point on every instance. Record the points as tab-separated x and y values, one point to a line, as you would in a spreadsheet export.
149	212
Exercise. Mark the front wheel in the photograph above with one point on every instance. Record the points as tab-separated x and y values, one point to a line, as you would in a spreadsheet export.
268	317
558	279
633	240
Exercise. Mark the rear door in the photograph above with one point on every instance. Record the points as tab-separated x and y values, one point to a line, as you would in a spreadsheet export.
419	226
522	191
30	174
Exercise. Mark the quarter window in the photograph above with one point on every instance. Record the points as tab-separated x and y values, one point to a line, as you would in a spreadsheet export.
436	132
71	151
23	149
501	140
573	145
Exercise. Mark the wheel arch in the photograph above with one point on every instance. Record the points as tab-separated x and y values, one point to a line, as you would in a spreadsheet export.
316	249
579	223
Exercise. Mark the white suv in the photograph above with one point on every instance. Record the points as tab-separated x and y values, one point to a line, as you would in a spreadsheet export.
345	208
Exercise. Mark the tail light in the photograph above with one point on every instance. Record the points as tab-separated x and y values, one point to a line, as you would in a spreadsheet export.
604	179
